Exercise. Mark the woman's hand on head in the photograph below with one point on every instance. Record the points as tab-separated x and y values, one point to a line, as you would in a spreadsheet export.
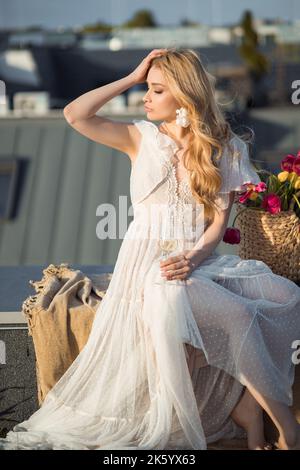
178	266
139	75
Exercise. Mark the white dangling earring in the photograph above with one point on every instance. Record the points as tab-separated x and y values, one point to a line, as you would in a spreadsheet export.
182	117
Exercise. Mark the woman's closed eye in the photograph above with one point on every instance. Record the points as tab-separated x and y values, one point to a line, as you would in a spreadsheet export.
155	91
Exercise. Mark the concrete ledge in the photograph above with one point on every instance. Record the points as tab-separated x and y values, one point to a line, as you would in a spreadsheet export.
12	318
18	391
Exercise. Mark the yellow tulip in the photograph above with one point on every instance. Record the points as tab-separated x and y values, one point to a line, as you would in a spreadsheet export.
253	196
297	183
283	176
293	177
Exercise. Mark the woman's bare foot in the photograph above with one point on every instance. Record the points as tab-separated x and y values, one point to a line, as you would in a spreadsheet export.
249	415
291	441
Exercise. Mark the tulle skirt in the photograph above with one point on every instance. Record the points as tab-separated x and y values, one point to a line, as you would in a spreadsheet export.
132	386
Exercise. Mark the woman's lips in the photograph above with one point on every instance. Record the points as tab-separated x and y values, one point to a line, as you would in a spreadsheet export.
147	109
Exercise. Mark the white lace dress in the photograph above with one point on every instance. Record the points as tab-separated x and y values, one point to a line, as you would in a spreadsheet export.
138	382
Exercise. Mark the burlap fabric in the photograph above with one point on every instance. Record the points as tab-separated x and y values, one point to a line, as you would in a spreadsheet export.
59	319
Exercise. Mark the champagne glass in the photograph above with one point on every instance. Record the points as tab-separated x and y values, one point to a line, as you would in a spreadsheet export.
169	247
170	241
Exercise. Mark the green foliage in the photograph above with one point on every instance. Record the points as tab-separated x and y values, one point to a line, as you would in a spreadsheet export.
97	28
273	184
257	63
141	19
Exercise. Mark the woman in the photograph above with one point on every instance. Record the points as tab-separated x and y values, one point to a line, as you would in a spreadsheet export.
189	349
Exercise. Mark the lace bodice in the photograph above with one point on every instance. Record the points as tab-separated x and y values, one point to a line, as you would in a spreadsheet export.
154	183
178	192
154	164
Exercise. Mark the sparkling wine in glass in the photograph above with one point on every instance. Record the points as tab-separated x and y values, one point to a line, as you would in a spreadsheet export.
168	248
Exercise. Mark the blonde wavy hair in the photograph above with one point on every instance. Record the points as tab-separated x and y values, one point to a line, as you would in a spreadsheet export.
193	87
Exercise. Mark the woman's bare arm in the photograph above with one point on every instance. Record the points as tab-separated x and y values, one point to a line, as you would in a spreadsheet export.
213	235
81	113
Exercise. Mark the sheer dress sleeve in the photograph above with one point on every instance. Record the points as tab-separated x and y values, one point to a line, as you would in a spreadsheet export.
236	169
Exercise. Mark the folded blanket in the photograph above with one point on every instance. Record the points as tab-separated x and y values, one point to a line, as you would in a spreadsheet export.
60	317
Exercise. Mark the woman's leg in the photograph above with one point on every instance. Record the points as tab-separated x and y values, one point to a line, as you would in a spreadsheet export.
249	415
282	417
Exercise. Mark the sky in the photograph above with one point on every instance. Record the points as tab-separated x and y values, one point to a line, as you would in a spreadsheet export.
67	13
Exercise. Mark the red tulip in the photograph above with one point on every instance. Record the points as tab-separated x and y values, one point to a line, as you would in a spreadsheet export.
232	236
243	198
287	163
260	187
296	165
272	203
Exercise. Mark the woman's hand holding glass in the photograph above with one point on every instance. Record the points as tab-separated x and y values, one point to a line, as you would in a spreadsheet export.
177	267
175	262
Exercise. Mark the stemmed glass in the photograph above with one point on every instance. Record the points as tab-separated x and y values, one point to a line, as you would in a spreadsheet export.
169	244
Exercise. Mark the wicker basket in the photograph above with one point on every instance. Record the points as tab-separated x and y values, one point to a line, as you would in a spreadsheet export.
271	238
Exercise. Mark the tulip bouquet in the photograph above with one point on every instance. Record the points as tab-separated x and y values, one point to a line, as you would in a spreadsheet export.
274	194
